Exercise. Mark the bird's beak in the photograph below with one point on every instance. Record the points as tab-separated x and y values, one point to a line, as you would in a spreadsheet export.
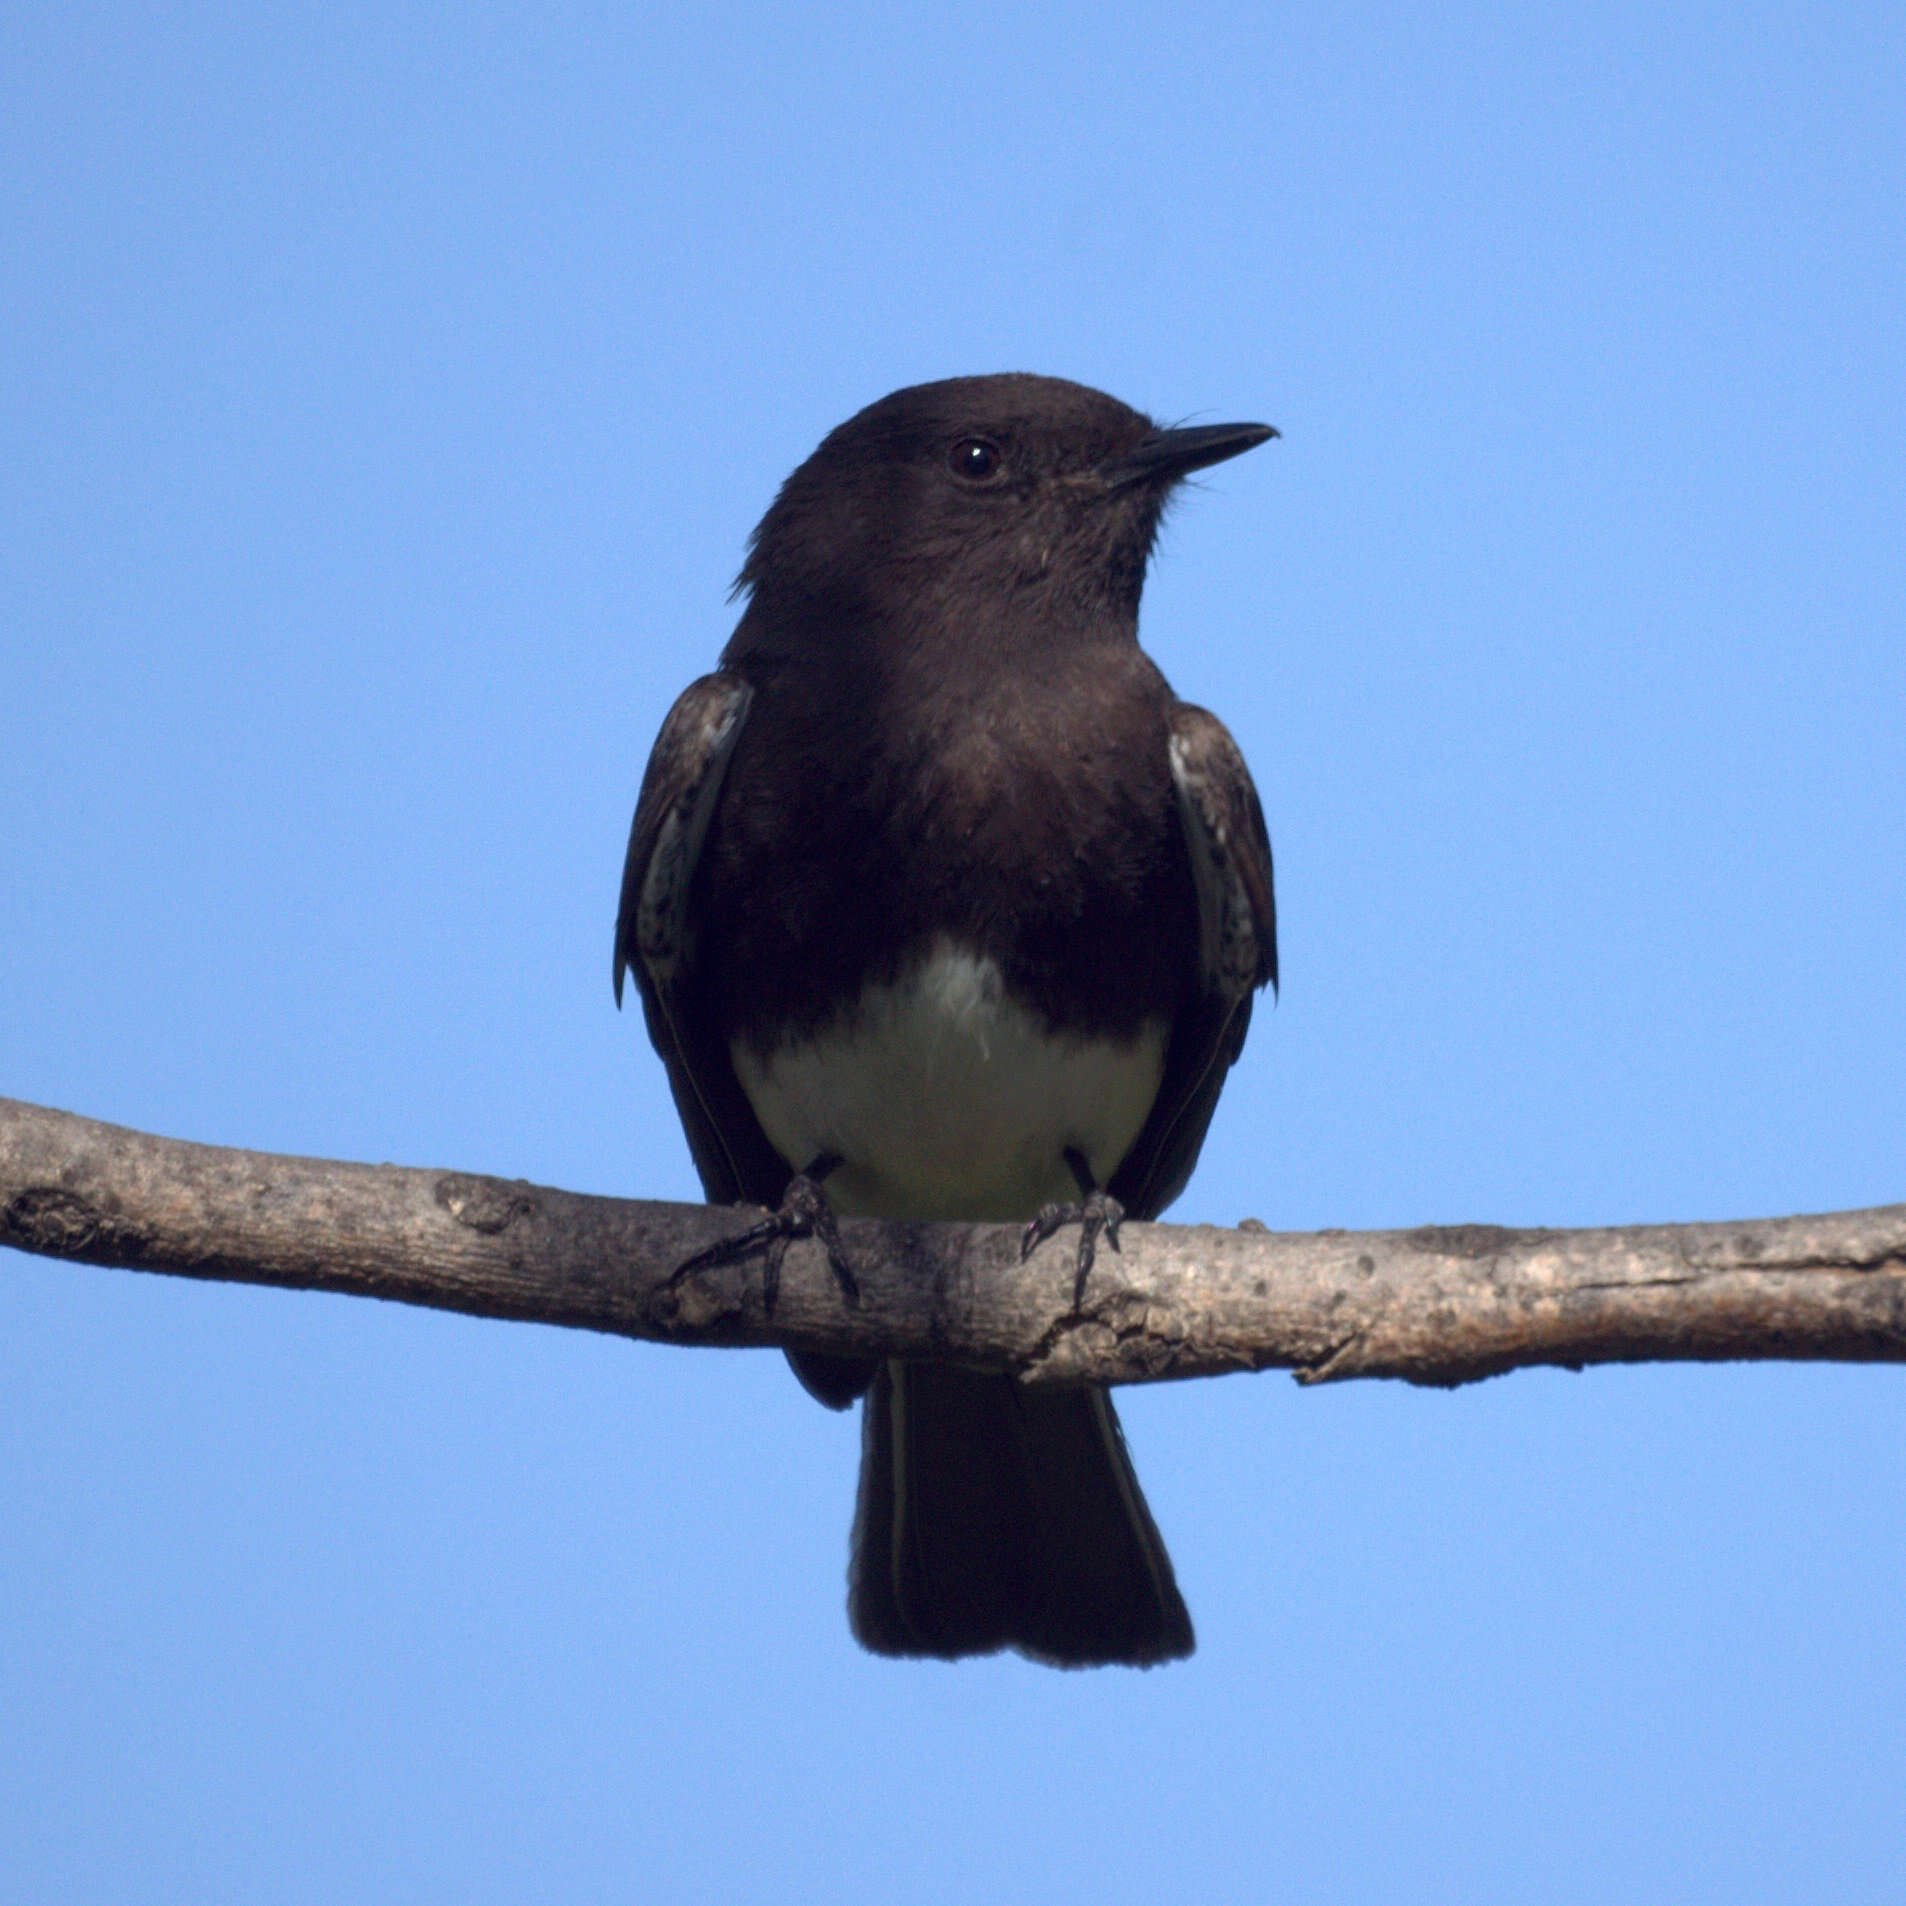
1171	454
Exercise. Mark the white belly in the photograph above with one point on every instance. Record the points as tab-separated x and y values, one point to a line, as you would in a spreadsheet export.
944	1099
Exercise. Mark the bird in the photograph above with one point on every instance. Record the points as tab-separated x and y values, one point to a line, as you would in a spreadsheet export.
941	905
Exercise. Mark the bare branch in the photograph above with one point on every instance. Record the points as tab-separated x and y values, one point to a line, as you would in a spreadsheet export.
1437	1305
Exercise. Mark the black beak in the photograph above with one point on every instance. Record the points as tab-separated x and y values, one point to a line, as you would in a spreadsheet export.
1170	454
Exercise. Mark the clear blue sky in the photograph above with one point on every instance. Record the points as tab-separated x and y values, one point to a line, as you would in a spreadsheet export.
387	396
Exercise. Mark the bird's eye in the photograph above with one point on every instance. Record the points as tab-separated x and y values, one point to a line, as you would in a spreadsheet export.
974	459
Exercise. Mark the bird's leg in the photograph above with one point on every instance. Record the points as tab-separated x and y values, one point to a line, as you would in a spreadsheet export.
1096	1213
804	1212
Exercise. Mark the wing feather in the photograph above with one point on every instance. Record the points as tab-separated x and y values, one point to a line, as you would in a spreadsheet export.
655	940
1230	853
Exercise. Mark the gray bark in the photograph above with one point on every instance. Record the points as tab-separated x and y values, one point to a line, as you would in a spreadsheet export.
1440	1305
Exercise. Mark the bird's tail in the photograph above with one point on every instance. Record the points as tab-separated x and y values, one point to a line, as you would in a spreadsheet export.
996	1516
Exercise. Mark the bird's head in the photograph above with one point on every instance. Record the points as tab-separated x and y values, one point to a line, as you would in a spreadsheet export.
1026	501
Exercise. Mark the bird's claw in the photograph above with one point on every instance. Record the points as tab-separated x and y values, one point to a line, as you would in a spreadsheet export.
1097	1214
804	1212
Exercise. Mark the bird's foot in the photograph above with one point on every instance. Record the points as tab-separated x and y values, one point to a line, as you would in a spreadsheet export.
1097	1214
804	1213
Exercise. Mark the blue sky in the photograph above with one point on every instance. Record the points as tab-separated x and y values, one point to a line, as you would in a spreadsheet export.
388	396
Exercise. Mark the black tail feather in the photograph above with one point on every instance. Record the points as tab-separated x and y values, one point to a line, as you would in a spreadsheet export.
996	1516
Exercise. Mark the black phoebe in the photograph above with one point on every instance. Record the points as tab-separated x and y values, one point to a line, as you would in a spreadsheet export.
943	906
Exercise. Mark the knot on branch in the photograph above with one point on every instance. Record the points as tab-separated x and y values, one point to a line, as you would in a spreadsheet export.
485	1205
51	1221
703	1304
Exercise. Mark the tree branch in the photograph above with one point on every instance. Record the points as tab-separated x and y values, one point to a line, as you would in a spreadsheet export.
1436	1305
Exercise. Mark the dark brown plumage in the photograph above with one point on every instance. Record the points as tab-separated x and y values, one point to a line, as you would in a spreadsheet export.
935	868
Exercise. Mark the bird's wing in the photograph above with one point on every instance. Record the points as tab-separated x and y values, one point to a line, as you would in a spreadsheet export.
1230	855
655	940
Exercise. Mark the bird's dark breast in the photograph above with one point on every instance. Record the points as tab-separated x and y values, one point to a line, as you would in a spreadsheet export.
1027	816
